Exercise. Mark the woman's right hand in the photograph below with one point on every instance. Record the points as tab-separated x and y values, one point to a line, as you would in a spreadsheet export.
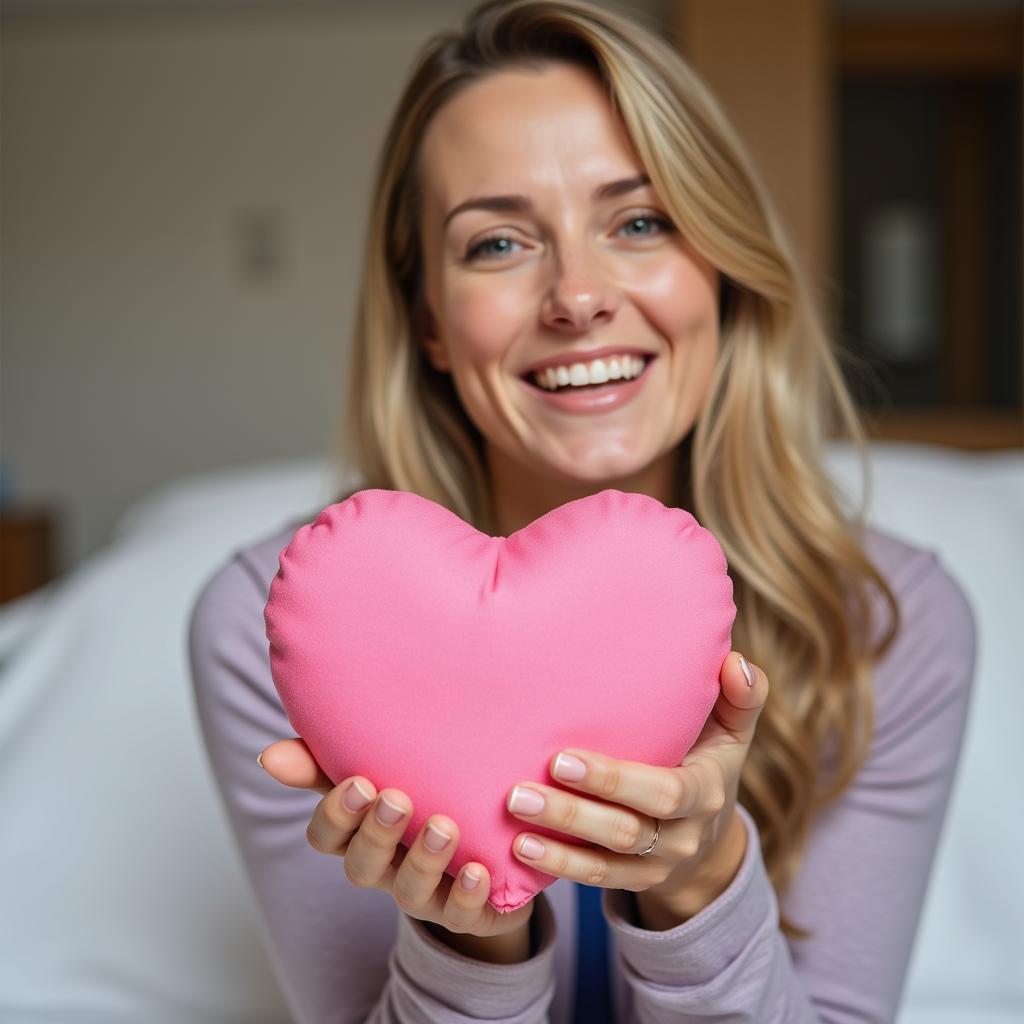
374	858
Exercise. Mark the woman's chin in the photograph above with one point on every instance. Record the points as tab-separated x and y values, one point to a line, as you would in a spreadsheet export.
594	471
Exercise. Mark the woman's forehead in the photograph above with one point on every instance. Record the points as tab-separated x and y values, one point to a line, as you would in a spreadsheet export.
517	131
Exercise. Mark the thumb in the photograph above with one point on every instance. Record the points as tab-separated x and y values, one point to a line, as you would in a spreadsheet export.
744	693
291	763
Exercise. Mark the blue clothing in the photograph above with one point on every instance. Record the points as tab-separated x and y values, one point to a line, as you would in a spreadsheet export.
593	992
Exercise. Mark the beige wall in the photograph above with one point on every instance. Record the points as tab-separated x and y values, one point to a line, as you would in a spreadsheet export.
143	155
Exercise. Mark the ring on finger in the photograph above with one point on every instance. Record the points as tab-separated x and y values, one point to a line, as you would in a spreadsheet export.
654	841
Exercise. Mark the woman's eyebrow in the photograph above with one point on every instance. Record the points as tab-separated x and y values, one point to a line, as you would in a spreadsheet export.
521	204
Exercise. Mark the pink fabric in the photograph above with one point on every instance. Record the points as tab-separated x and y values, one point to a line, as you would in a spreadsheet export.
411	648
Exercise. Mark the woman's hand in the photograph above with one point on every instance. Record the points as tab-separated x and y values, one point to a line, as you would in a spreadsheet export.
702	842
364	827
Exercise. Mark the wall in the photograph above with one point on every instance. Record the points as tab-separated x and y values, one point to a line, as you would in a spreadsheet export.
183	194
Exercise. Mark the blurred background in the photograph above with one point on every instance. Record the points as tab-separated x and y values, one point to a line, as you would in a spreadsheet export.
183	196
184	187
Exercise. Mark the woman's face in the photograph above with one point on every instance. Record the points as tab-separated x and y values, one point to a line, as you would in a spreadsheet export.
563	270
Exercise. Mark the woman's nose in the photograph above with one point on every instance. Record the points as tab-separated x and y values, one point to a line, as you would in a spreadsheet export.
577	297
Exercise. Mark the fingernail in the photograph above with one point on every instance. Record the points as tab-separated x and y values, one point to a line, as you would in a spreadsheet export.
388	813
531	848
746	671
259	759
525	801
469	880
354	798
435	839
569	768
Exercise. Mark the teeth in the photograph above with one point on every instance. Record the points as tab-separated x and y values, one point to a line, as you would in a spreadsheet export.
580	374
599	371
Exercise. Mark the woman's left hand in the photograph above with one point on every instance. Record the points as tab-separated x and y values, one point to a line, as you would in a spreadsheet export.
702	842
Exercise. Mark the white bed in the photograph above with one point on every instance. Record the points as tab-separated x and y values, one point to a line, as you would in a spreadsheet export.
122	897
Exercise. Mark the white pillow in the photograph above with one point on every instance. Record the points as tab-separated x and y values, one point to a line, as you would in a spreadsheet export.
969	507
124	898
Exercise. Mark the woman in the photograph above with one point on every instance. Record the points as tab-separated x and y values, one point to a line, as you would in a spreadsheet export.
557	189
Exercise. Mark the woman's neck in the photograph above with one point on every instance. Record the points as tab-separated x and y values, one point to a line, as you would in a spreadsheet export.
520	496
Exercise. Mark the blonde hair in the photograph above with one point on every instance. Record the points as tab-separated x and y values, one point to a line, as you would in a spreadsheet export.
752	466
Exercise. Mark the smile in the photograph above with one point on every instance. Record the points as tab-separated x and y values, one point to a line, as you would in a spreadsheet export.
593	397
599	371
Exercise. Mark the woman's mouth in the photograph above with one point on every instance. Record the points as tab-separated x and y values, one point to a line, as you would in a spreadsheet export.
622	367
592	398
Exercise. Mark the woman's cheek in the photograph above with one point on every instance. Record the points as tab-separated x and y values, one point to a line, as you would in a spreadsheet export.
486	322
678	296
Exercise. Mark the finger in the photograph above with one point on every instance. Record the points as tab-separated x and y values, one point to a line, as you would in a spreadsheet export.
337	817
468	911
421	871
292	764
705	782
739	704
612	826
589	867
650	789
467	898
370	861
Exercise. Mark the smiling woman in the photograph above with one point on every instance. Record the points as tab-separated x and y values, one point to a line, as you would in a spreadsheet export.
545	242
573	282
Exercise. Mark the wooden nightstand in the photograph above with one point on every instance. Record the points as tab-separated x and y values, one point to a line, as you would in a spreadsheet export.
27	546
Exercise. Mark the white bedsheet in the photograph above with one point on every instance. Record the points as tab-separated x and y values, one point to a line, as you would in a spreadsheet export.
121	895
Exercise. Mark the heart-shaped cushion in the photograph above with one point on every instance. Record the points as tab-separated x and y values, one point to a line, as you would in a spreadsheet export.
411	648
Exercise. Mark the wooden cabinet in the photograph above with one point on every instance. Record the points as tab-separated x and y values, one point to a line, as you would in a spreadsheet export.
27	550
890	141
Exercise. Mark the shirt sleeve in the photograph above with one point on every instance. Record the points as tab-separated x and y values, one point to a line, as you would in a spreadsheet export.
863	879
342	954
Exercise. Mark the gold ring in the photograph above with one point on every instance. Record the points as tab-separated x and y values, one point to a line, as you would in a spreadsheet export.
654	841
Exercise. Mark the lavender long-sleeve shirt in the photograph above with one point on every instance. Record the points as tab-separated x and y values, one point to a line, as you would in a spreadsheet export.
346	954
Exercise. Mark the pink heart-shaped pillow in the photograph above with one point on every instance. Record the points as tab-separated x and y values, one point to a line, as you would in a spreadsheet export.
413	649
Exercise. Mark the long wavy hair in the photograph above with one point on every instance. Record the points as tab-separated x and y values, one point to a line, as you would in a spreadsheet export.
752	468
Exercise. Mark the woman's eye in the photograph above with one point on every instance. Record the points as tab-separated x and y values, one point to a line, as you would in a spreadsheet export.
646	218
481	246
489	247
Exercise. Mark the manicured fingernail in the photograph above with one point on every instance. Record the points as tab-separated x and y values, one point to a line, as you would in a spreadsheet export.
259	759
531	848
525	801
746	671
435	839
469	880
569	768
388	813
354	798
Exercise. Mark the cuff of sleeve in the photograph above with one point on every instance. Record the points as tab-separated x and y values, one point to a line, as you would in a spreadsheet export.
474	987
702	947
